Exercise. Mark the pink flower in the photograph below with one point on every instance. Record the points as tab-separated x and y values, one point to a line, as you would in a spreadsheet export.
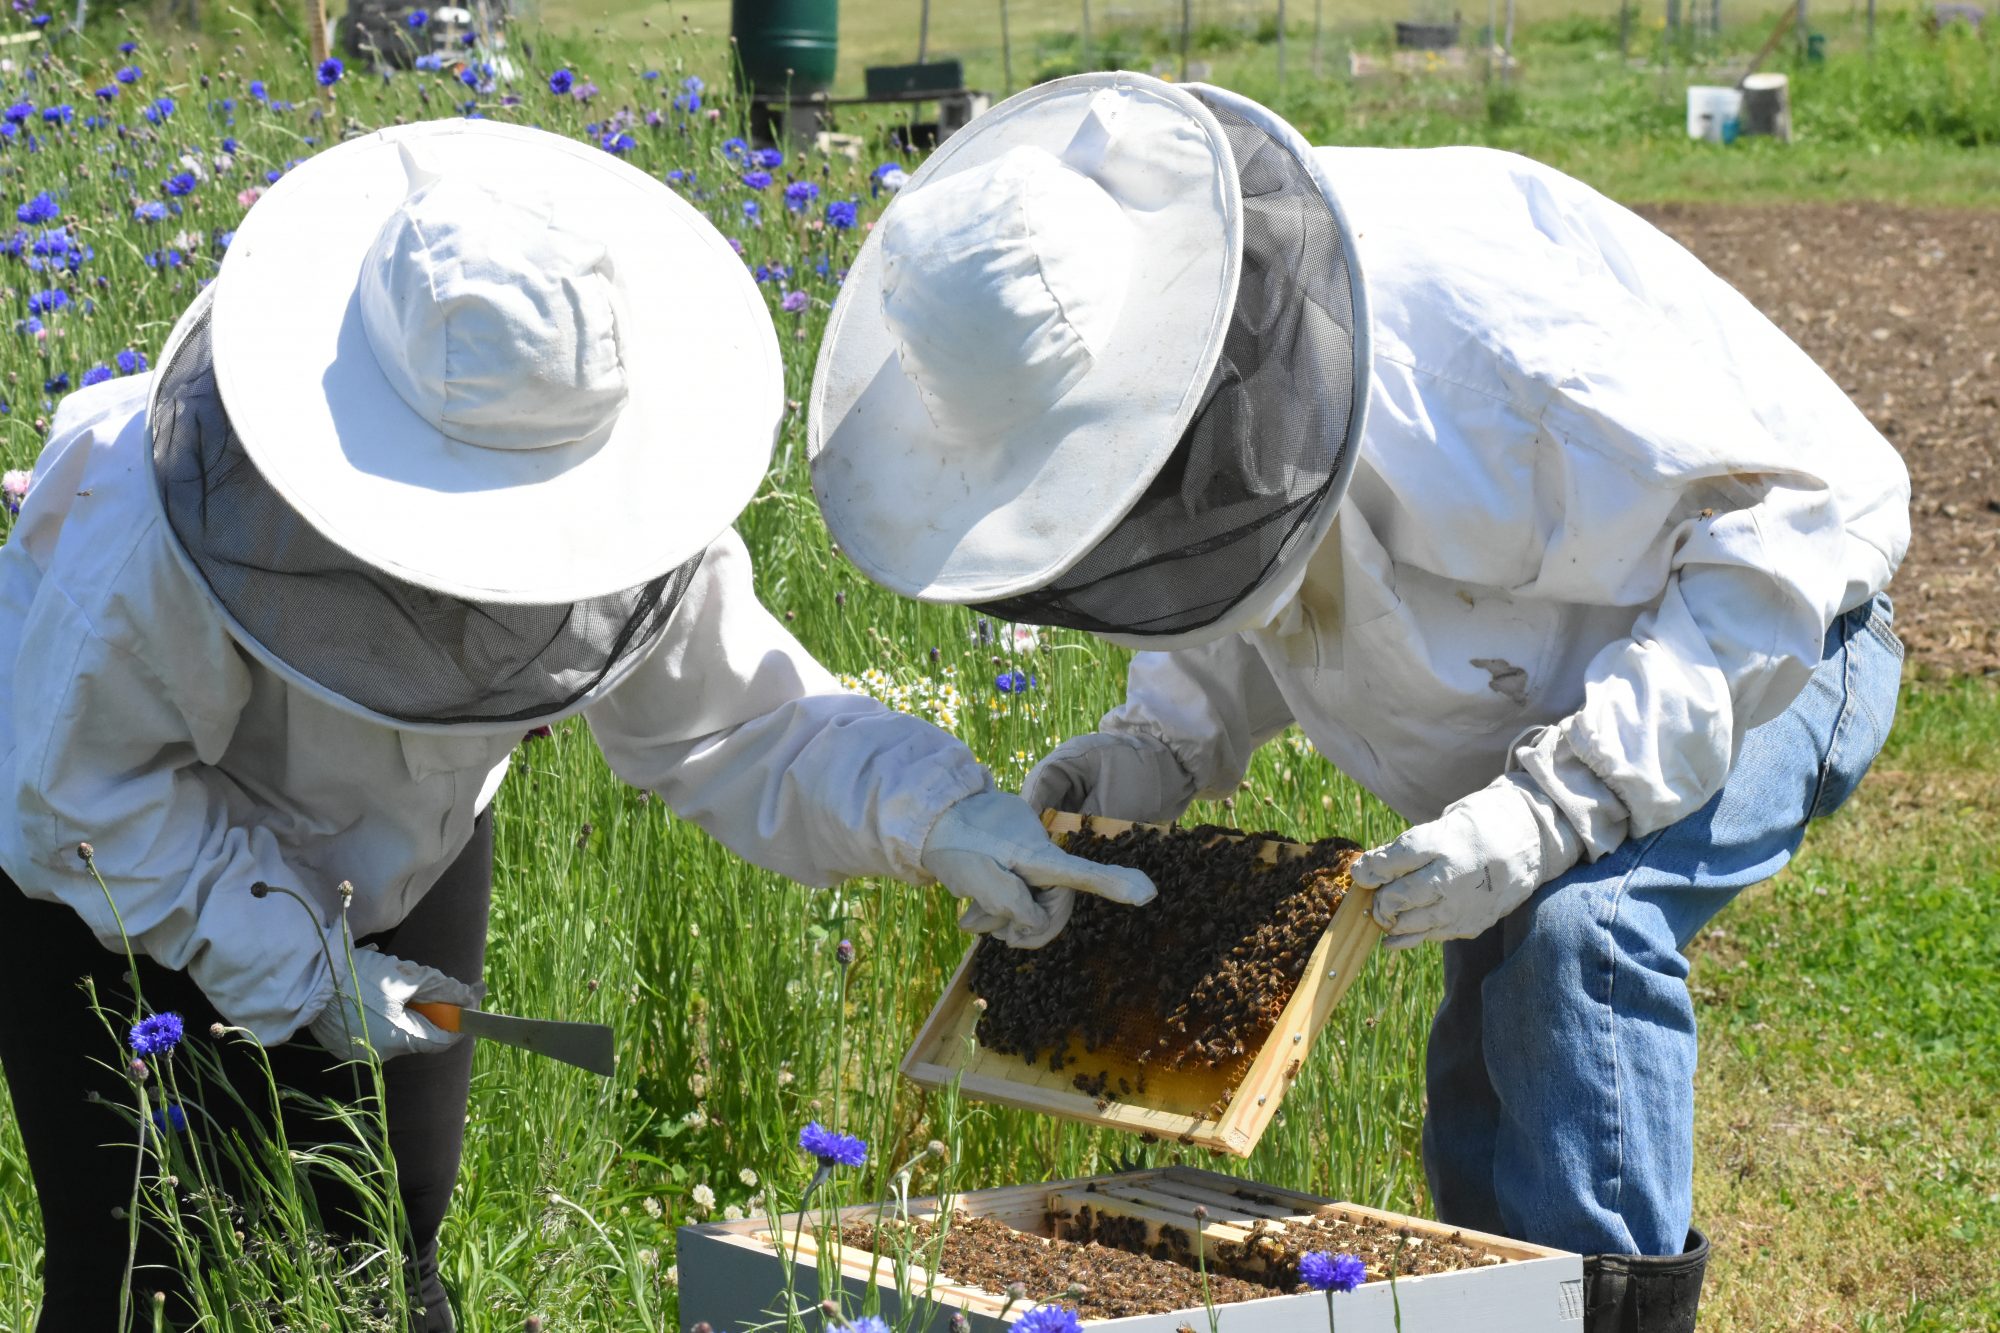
250	196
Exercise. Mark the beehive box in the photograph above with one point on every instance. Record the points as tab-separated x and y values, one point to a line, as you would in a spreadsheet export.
732	1274
1225	1109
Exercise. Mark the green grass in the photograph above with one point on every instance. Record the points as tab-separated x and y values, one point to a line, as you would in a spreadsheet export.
1839	1145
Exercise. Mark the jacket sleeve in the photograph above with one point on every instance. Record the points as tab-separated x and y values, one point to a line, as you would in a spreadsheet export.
1211	705
737	728
1745	483
115	738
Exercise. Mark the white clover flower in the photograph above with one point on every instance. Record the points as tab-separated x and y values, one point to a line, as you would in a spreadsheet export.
785	1077
672	1276
699	1084
732	1214
652	1207
649	1258
704	1197
748	1177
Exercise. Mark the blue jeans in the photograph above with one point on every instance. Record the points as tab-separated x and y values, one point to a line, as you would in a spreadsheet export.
1561	1063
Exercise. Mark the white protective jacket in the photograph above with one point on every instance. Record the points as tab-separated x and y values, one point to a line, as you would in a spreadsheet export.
130	719
1602	505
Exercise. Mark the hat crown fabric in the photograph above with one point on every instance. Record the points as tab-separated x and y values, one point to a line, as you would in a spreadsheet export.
1001	285
494	324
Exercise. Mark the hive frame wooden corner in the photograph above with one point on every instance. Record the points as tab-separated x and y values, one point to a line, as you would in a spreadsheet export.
945	1049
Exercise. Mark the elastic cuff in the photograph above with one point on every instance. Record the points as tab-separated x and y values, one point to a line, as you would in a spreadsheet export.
1583	799
907	822
1191	783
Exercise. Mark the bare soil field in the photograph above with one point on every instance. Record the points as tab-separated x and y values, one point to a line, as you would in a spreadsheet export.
1902	308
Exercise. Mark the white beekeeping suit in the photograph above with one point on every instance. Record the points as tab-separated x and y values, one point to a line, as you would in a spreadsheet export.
1537	529
281	618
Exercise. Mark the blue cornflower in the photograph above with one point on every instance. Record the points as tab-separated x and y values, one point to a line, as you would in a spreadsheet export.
40	20
230	146
160	111
272	176
108	93
17	112
1321	1271
757	180
651	76
618	142
772	273
768	158
1013	682
751	211
692	84
97	374
869	1323
468	38
830	1148
127	48
688	103
431	61
12	246
419	18
157	1034
130	74
561	82
793	302
62	113
889	176
735	150
679	175
168	258
840	214
42	208
130	362
799	194
169	1118
258	90
30	326
47	301
51	244
330	70
150	211
179	184
469	76
1049	1319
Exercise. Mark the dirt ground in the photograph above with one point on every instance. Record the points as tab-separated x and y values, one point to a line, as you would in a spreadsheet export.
1902	308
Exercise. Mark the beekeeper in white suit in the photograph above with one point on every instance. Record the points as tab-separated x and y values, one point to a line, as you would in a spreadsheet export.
1535	527
448	450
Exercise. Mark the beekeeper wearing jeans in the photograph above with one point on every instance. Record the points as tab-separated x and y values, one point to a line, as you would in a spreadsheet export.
1533	526
448	450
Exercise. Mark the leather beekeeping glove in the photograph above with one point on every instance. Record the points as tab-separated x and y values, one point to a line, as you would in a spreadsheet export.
1114	774
387	986
1456	876
992	849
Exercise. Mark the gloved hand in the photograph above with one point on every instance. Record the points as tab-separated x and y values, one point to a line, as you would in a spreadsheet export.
1114	774
991	848
387	986
1456	876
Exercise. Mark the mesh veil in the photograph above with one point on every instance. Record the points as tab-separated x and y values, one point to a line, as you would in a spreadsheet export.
1263	454
395	649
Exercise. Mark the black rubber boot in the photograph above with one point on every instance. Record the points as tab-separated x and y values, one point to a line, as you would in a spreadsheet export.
1635	1293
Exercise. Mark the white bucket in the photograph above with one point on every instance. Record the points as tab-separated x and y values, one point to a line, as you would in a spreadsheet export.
1713	113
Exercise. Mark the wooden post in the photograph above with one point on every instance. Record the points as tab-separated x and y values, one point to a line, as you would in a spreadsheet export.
1006	52
923	31
1281	50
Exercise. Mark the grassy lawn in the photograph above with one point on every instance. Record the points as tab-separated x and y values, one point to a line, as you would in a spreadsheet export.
1849	1146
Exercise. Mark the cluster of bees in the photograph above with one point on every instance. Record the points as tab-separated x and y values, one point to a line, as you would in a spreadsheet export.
1195	979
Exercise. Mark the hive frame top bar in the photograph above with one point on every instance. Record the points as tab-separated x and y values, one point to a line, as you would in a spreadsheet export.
945	1049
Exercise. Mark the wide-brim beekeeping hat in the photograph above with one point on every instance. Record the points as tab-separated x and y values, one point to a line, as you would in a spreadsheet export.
1102	363
462	408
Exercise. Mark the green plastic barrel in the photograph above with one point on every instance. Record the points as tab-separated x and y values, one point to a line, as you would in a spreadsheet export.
787	44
